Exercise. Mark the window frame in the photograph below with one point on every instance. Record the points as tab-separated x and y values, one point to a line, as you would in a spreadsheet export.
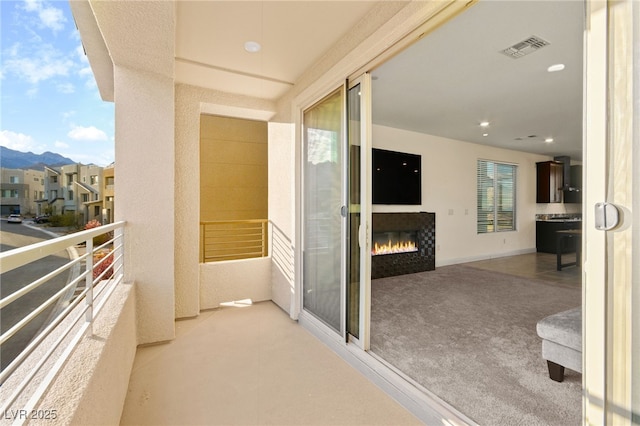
492	225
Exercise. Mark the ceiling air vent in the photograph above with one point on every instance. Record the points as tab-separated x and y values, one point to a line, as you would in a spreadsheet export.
525	47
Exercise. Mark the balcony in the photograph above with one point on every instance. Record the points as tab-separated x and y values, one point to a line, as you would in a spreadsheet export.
249	364
243	363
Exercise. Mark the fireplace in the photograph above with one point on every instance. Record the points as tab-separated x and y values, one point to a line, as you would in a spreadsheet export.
403	243
394	242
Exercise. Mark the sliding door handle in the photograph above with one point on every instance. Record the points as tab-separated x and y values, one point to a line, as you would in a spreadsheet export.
607	216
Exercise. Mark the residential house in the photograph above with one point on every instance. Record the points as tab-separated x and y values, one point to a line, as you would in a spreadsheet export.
108	184
76	189
165	64
21	189
53	201
89	186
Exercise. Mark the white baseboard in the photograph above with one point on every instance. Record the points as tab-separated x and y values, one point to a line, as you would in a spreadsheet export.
483	257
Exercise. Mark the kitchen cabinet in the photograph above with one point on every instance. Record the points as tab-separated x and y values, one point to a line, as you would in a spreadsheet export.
546	237
574	193
549	182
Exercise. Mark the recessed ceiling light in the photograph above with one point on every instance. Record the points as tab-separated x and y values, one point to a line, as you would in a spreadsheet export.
485	134
555	68
484	124
252	46
548	140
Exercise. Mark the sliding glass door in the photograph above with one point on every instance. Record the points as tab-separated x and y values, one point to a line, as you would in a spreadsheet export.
358	247
336	261
323	210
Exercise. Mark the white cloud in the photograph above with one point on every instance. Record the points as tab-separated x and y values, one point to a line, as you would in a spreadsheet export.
90	133
42	65
85	72
66	88
81	55
66	115
61	145
101	159
32	5
32	93
18	141
50	17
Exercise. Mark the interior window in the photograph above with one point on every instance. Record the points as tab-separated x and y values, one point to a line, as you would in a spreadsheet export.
496	197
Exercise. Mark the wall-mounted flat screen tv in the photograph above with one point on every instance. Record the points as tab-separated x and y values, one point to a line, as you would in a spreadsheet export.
396	177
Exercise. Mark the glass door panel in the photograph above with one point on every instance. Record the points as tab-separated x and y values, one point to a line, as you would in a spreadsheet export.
323	233
353	219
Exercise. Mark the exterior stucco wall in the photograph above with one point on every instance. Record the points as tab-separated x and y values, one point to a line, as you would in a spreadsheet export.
234	280
92	386
144	118
281	207
190	103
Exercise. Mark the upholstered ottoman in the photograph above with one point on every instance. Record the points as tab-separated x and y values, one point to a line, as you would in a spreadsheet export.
561	335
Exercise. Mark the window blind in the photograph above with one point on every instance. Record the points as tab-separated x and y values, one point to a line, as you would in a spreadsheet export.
496	202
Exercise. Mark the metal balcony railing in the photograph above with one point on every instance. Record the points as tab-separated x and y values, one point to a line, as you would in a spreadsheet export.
92	274
282	252
233	239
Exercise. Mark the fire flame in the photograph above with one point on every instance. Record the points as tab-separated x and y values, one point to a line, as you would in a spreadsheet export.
393	248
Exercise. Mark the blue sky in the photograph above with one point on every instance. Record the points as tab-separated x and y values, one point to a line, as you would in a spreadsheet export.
49	98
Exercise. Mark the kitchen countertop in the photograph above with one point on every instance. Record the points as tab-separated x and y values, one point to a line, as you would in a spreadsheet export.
558	218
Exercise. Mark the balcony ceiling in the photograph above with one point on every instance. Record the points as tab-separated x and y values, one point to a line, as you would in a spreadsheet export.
210	39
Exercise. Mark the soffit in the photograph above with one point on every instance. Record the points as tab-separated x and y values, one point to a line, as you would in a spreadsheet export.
138	34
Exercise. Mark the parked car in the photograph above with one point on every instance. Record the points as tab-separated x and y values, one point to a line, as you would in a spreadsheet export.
41	219
14	218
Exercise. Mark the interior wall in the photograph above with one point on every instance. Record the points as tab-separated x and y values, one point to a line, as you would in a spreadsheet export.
449	189
233	169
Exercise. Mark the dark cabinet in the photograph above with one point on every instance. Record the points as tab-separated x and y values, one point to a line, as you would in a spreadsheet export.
546	237
574	193
549	182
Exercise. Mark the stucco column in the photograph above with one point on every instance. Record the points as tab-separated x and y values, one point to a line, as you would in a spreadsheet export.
144	195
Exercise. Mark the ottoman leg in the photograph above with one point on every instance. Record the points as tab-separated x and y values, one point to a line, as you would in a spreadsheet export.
556	371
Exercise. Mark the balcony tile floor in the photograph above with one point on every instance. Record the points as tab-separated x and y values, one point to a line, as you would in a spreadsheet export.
251	365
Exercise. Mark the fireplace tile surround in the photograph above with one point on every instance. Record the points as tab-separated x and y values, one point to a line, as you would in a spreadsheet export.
424	224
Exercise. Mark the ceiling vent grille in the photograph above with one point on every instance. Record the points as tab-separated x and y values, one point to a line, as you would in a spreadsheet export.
525	47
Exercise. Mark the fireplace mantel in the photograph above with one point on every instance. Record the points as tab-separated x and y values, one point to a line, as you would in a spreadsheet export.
424	224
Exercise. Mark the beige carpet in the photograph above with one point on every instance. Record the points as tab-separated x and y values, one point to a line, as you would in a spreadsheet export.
469	336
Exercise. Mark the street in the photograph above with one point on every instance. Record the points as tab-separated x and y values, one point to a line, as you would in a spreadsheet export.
14	236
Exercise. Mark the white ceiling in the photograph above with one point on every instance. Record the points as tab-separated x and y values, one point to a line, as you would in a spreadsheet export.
454	78
443	85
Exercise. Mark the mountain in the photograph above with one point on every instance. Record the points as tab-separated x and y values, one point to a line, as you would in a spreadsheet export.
12	159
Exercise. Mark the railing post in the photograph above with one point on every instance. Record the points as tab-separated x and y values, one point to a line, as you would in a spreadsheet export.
89	283
264	239
202	229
